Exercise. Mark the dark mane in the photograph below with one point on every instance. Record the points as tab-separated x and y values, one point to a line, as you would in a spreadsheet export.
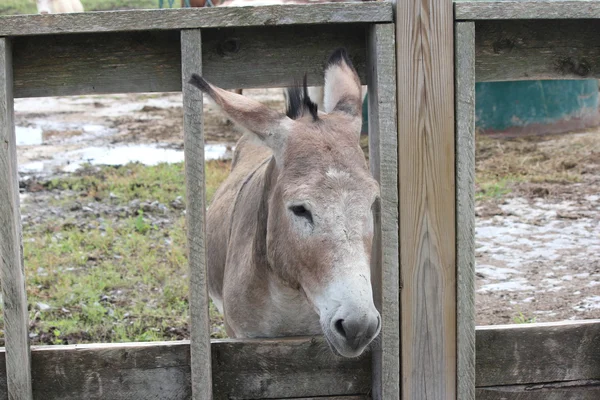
299	102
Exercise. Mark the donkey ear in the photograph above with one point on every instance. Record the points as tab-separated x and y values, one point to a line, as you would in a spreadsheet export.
270	126
342	92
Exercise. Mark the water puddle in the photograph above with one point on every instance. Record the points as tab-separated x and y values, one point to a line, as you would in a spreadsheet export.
510	286
589	303
147	154
43	133
119	155
117	103
28	136
97	130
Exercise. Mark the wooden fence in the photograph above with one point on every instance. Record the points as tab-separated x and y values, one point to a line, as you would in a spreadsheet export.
422	153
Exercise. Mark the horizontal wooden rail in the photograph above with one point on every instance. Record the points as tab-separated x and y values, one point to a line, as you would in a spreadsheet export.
217	17
64	65
546	361
535	353
526	9
253	369
514	362
520	50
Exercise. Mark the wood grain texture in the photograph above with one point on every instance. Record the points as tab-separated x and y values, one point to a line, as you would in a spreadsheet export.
574	390
334	398
126	371
383	150
290	368
175	19
295	367
527	9
61	65
12	274
464	58
278	56
64	65
515	50
534	362
538	353
193	140
425	77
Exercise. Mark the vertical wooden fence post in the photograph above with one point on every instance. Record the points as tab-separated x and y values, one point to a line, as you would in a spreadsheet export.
193	131
425	78
12	274
465	208
383	147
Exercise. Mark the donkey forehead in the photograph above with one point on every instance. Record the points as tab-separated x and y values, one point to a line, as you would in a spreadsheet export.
333	188
326	165
330	139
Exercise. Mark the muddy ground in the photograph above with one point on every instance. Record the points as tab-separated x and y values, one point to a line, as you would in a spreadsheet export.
538	228
537	233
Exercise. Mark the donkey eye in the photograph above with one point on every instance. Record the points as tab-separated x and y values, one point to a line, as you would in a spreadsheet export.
301	211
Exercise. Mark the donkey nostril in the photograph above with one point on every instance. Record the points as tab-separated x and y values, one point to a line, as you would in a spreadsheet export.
374	328
339	327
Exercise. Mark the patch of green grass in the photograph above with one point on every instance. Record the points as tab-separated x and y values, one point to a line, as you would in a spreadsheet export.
506	164
493	189
163	183
141	226
9	7
520	318
118	277
118	284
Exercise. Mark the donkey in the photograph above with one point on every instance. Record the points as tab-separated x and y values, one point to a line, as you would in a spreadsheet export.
289	232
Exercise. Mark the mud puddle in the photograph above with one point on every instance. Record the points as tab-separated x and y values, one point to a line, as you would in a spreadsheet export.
60	135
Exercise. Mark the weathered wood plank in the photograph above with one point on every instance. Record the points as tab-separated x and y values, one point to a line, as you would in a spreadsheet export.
538	353
573	390
465	208
193	139
515	362
62	65
425	76
150	371
287	368
291	368
12	274
527	9
278	56
218	17
383	150
514	50
334	398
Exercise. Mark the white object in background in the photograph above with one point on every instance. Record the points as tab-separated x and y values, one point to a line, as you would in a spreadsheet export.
59	6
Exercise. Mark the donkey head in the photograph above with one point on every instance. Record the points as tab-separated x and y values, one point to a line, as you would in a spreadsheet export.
320	221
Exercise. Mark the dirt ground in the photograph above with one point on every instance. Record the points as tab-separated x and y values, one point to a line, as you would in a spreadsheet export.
538	199
538	235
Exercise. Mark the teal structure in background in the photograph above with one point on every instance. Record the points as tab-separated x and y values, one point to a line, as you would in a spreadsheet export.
364	130
536	107
531	107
